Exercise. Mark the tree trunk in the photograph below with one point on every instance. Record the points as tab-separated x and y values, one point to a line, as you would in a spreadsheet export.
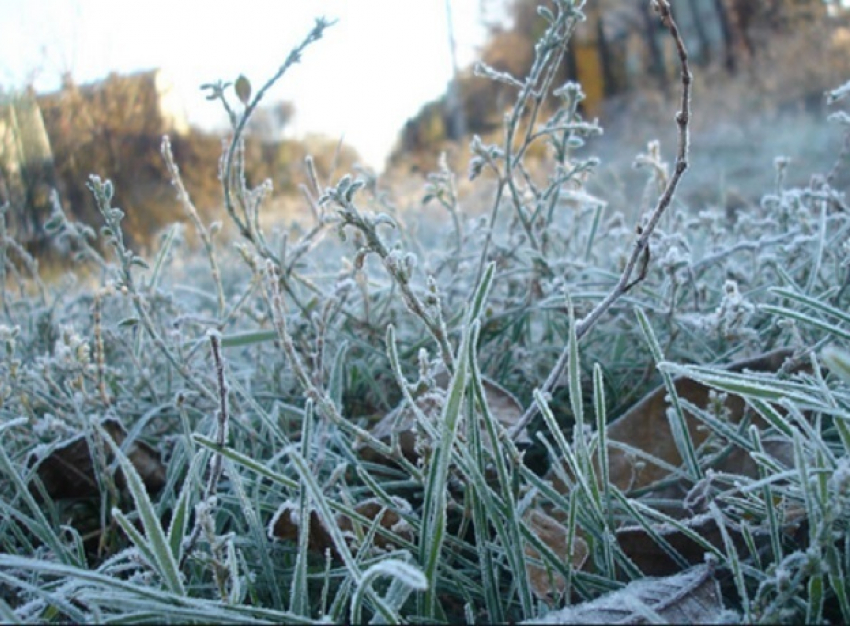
457	125
704	57
728	36
650	34
610	86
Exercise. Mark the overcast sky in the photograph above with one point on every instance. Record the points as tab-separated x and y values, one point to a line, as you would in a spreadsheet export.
371	72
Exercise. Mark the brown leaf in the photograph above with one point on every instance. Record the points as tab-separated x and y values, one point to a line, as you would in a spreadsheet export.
691	597
654	560
401	421
148	463
645	426
286	523
551	532
389	519
68	471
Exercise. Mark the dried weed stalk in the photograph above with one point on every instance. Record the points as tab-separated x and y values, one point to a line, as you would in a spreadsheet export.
639	259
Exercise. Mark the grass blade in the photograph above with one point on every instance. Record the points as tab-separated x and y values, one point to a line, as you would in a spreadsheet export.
676	417
160	548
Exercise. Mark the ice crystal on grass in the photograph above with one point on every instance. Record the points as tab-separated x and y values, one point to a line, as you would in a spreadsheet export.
365	399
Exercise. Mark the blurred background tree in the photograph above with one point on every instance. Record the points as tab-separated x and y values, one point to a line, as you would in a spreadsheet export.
787	51
780	53
27	174
113	128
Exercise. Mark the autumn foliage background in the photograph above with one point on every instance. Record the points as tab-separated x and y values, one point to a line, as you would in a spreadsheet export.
755	60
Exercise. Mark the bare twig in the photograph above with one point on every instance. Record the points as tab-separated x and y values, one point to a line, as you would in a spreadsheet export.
233	161
217	465
639	258
294	57
399	267
200	227
532	92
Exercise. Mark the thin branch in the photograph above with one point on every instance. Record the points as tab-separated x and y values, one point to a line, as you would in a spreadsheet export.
639	258
217	464
294	57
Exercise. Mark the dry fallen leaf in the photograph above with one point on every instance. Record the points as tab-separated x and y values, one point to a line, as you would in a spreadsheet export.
401	422
646	427
68	471
286	523
389	519
554	534
691	597
654	560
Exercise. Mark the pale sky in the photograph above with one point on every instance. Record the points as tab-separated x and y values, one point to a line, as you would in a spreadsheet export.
371	72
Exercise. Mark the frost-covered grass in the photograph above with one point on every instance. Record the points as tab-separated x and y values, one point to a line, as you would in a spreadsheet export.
258	368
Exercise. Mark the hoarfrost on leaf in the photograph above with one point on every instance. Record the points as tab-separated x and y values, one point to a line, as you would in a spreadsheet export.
692	597
838	93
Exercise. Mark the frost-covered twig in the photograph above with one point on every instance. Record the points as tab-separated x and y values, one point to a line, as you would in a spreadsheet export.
114	234
203	232
233	161
222	427
399	266
639	258
294	57
532	93
274	299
